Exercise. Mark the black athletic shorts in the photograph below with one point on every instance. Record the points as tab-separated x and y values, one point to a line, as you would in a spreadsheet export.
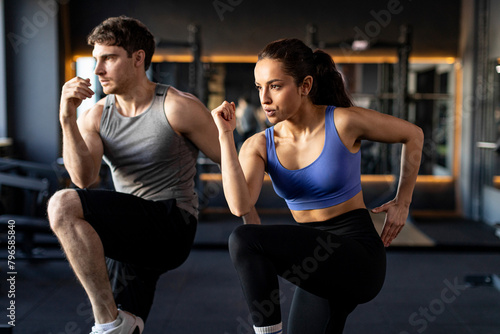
153	235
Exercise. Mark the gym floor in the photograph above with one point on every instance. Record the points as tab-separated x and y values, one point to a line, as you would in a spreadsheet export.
440	279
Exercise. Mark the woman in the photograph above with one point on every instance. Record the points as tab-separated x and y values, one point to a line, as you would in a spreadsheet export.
334	254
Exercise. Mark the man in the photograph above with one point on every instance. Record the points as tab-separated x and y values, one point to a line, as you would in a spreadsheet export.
149	134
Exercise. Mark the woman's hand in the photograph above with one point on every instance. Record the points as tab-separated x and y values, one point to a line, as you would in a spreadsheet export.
395	219
224	117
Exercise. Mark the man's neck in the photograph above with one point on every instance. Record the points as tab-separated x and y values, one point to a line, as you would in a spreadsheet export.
136	100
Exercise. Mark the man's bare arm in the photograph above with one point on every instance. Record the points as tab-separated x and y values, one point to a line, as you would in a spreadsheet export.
82	145
191	119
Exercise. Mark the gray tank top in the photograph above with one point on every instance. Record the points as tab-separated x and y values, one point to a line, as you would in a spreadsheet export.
146	157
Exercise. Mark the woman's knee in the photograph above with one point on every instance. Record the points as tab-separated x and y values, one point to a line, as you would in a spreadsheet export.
241	240
62	205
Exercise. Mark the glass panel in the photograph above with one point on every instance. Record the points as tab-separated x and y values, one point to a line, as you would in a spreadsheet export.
431	106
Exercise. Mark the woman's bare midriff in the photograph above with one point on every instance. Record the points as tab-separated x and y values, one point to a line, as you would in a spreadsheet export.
318	215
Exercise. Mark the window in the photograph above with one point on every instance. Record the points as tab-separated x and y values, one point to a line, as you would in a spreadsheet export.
85	69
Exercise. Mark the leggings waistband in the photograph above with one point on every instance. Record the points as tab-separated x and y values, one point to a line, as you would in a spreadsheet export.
357	222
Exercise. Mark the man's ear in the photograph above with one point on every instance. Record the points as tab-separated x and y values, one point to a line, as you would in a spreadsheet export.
139	57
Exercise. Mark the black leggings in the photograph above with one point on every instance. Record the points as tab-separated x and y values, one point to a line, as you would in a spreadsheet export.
336	265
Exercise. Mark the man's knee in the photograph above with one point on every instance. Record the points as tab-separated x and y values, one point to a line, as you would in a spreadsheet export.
62	205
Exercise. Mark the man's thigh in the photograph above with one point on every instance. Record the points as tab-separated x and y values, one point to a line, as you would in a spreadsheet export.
151	234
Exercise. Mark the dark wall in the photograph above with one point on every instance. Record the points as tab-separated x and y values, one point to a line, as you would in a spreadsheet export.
3	98
244	26
33	85
240	82
494	29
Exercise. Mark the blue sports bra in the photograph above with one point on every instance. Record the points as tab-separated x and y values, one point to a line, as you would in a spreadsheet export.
333	178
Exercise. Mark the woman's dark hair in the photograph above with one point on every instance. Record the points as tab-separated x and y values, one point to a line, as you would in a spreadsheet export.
300	61
129	33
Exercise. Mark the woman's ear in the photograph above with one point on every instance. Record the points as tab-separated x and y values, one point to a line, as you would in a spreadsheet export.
307	85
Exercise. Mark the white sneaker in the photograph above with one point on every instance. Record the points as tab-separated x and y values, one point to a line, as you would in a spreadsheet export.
130	325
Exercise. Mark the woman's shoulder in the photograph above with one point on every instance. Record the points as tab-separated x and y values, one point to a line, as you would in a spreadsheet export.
257	140
255	145
348	115
350	122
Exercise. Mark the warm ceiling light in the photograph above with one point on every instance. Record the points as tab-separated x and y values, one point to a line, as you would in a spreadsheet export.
360	45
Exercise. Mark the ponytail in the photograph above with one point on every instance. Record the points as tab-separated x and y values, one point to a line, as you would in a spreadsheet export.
329	88
299	61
